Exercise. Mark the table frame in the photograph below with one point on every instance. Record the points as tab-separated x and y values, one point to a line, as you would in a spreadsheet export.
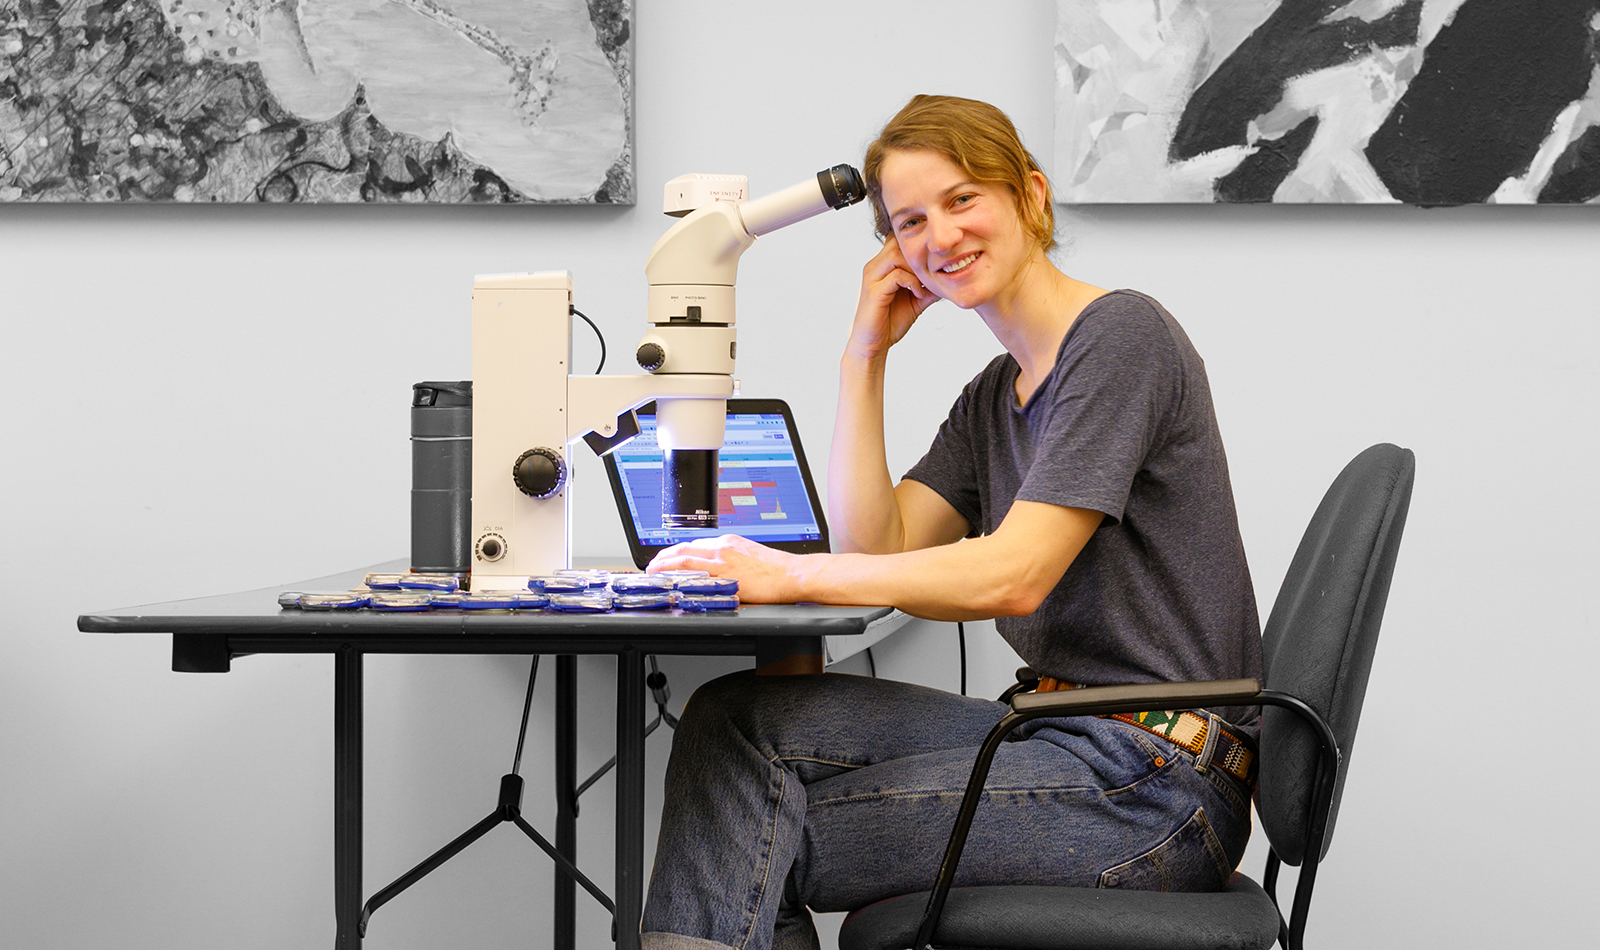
207	634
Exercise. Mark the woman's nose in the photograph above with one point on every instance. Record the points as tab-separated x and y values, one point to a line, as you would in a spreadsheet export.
942	233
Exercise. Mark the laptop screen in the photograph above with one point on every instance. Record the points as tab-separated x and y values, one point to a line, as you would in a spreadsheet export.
764	492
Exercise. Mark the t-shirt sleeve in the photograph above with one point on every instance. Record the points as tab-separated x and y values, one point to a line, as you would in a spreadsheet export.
1116	385
950	465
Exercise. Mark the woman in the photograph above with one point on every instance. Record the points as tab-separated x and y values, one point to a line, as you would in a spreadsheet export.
1083	475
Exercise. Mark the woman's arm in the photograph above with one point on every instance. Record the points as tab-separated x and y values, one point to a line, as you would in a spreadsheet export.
1004	574
867	513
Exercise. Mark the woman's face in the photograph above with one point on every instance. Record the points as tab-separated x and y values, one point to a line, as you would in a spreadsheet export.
963	240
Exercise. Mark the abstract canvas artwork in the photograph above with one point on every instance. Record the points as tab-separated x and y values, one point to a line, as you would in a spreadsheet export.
1427	102
431	101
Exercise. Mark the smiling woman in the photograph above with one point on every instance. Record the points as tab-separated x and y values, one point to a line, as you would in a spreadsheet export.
1084	478
963	239
980	140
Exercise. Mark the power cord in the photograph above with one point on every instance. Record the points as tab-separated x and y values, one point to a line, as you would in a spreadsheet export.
599	336
961	637
527	707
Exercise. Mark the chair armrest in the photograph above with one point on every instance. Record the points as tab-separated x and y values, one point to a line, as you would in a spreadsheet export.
1140	697
1087	701
1027	681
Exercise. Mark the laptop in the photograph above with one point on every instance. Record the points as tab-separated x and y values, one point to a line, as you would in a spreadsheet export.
764	491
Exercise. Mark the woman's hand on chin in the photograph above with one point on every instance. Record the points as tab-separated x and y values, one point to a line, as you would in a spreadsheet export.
892	298
765	575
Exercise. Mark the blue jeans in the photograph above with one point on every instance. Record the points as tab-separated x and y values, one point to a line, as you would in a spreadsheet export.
835	791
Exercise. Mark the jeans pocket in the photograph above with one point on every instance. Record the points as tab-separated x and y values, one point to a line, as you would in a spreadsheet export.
1192	859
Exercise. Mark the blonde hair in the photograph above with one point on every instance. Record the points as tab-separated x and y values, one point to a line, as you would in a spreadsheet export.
977	138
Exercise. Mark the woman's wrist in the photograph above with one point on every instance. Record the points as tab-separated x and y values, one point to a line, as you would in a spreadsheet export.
802	571
863	362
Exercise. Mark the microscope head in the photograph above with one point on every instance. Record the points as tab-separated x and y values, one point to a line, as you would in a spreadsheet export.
692	270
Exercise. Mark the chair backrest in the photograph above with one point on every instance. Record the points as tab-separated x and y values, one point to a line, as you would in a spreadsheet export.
1321	634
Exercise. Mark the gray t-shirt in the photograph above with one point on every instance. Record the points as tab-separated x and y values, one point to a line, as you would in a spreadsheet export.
1123	425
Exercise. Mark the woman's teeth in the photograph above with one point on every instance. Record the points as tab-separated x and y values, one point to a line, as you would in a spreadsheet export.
960	265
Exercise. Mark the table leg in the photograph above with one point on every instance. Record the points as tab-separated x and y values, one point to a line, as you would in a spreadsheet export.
630	797
347	763
566	769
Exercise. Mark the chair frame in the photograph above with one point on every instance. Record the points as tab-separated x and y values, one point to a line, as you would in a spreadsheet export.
1102	700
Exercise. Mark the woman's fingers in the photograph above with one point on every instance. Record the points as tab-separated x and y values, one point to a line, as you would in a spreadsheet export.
679	558
887	260
892	298
896	280
701	555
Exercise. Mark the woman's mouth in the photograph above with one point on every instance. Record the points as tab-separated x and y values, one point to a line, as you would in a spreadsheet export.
956	266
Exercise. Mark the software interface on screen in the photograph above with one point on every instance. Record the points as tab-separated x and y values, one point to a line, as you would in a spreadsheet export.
760	491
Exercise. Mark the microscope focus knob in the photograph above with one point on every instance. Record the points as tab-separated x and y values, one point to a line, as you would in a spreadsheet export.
539	472
651	356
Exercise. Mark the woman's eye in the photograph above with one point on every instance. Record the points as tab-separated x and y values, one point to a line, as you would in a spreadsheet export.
909	223
963	199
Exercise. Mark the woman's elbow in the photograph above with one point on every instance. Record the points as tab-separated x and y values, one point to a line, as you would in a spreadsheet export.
1018	599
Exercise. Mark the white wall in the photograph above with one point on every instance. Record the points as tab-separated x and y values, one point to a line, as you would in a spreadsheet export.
208	399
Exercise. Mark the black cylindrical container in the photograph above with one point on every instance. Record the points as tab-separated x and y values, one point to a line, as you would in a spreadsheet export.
441	477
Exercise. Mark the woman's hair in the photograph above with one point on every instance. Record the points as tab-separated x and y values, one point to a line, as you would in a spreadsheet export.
979	139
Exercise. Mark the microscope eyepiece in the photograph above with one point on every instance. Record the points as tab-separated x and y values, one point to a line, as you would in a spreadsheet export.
836	187
841	186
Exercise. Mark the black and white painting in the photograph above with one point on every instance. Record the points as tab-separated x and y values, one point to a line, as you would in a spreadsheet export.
1428	102
437	101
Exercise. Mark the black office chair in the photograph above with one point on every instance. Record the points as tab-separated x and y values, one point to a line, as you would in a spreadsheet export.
1318	647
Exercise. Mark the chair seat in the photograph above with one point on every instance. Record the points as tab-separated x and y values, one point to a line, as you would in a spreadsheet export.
1024	917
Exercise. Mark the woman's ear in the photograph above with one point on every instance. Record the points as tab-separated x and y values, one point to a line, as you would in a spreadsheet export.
1038	188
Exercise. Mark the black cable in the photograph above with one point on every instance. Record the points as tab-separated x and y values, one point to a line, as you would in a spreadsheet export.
961	635
599	336
871	666
657	682
527	707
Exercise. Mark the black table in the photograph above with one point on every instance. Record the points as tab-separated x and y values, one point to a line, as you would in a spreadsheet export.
209	632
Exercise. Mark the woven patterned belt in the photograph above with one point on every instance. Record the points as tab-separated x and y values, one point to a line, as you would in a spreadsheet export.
1188	730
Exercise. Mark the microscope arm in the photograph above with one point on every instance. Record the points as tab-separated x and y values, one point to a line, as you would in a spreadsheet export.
600	408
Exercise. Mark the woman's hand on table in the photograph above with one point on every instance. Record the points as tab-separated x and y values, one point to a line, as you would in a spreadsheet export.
765	575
